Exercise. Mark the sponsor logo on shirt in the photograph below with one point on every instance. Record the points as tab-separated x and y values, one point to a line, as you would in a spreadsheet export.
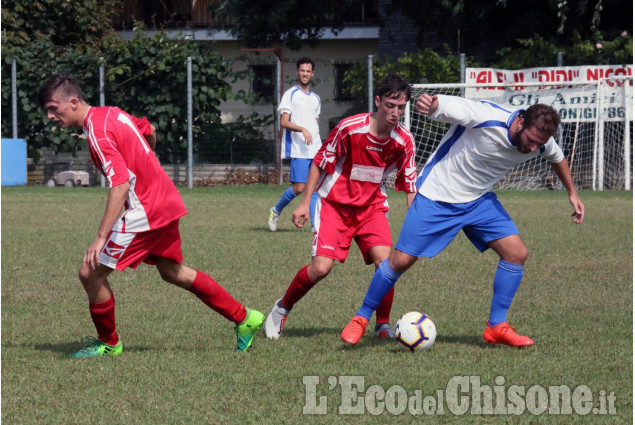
374	148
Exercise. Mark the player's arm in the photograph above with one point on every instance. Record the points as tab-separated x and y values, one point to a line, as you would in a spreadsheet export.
117	196
427	104
564	175
301	214
286	123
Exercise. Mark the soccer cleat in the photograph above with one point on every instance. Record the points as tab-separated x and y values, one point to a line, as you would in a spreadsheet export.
96	348
247	329
275	321
353	332
274	216
384	330
505	334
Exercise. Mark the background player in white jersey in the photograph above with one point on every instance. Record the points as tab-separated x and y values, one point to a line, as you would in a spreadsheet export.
484	143
299	111
347	172
148	230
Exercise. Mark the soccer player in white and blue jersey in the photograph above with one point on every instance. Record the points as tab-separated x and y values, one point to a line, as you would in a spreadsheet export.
485	141
299	111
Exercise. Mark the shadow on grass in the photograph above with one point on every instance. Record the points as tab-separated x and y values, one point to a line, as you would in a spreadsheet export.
461	339
304	332
282	230
68	348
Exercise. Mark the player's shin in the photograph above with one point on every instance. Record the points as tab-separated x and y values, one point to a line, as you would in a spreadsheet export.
506	282
217	298
383	281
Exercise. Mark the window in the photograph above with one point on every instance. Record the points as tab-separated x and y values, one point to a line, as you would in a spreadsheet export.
264	82
340	91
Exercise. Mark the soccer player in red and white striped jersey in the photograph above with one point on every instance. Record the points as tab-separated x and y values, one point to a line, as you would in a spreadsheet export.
347	173
148	229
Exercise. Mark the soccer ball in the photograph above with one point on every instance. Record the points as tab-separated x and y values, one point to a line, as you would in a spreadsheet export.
415	331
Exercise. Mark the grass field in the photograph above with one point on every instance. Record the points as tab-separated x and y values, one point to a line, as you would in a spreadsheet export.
178	364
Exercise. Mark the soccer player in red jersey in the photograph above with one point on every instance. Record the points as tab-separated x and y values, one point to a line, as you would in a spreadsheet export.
148	229
347	173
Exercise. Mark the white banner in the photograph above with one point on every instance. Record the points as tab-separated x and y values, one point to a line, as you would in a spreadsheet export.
575	102
563	74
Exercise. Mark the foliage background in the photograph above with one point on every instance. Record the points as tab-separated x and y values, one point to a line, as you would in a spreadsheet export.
58	35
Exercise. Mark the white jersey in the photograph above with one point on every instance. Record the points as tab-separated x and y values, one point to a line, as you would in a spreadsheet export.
476	152
304	110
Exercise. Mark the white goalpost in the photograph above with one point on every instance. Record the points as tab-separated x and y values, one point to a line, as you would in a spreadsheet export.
595	132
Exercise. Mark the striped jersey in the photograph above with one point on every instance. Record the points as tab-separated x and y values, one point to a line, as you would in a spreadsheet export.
121	153
354	163
304	110
476	152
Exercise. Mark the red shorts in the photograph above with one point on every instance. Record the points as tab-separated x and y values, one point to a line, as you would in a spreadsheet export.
124	250
336	225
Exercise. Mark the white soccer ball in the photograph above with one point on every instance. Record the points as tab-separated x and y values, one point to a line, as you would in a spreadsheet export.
415	331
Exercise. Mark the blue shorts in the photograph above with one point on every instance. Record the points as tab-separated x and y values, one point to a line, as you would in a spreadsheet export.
300	169
430	226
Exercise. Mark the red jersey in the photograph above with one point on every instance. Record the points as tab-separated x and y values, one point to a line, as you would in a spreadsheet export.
355	162
121	153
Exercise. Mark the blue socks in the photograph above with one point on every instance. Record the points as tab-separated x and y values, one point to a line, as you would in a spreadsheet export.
506	282
289	196
285	200
383	280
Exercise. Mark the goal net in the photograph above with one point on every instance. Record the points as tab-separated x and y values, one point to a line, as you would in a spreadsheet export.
595	134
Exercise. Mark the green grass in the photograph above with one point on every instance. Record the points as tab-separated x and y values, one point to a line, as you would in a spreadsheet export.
178	364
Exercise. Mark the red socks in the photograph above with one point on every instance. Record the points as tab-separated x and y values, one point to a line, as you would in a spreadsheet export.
382	313
103	315
299	287
217	298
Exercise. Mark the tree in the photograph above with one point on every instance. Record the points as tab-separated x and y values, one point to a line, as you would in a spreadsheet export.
481	28
288	22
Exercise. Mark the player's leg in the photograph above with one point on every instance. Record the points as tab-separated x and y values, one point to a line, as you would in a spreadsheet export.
298	176
382	314
427	229
101	305
491	227
374	239
509	273
381	284
301	284
330	238
247	321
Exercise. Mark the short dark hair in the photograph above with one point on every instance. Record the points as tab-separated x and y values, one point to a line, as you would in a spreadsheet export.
394	85
69	86
543	117
304	60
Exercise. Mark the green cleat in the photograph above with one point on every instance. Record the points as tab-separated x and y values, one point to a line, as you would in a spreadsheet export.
247	329
96	348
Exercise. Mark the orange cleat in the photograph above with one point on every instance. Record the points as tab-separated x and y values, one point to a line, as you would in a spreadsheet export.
505	334
353	332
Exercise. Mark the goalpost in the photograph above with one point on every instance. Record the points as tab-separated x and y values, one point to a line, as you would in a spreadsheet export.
595	134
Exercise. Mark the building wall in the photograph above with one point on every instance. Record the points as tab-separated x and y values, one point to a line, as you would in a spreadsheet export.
325	54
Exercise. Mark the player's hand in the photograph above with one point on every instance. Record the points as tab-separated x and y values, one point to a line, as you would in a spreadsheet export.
300	215
91	258
308	139
427	104
578	207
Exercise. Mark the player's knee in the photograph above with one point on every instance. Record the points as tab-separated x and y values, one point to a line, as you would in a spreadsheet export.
84	275
319	272
518	256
